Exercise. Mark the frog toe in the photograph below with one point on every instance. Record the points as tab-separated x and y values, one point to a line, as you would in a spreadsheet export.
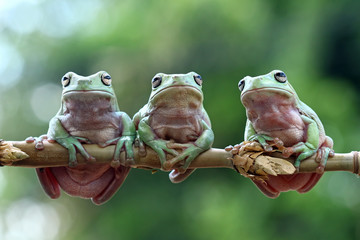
176	176
322	156
129	162
115	163
39	145
30	139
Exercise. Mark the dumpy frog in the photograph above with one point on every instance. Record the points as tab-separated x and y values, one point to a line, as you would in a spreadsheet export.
89	113
174	118
274	111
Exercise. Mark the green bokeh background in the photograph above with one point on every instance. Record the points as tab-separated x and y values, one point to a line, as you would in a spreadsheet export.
316	43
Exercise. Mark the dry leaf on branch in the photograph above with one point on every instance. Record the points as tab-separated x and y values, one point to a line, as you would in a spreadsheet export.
251	162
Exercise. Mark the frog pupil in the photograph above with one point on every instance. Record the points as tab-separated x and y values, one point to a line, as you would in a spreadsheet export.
156	81
241	85
198	80
66	81
280	77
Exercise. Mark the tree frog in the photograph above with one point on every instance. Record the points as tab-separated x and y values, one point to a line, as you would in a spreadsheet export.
174	118
89	113
274	111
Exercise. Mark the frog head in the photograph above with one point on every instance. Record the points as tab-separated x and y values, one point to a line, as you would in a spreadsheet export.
273	86
96	89
176	89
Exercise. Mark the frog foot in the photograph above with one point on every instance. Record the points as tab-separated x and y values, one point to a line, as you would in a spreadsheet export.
262	139
304	151
73	143
160	147
189	153
322	155
39	144
121	142
141	147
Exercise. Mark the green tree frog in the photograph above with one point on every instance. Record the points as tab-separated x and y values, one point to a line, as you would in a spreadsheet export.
89	113
274	111
174	118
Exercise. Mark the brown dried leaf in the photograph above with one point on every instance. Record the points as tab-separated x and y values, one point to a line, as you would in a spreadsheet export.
249	159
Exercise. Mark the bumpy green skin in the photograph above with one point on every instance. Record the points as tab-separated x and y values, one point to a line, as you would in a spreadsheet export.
175	104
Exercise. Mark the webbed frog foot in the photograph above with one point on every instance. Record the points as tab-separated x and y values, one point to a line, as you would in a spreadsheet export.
189	153
322	155
72	143
39	141
160	147
121	142
304	149
262	139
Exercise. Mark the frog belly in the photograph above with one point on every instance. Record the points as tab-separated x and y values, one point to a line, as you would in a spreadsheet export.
97	136
181	129
182	134
289	136
84	181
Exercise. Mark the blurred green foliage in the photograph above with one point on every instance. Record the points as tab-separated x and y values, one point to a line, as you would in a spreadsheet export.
317	44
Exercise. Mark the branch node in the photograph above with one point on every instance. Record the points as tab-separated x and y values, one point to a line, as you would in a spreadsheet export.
10	154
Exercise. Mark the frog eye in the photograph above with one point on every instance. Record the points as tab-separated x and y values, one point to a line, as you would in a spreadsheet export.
280	77
65	80
198	80
106	79
241	84
156	81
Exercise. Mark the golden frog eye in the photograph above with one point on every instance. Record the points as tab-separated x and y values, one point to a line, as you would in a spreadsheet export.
241	84
280	77
106	79
198	80
156	81
66	80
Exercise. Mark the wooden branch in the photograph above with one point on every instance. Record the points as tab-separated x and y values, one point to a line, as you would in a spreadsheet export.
55	155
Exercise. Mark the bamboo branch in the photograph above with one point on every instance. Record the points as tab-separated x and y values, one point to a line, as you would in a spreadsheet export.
54	155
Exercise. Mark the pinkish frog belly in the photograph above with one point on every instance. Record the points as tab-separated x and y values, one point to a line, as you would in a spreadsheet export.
180	128
279	121
85	181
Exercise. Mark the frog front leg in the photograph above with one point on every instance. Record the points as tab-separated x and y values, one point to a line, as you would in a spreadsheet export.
58	133
311	146
126	141
192	150
251	135
160	146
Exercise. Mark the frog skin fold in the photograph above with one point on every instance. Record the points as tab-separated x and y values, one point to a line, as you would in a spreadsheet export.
174	118
89	113
274	110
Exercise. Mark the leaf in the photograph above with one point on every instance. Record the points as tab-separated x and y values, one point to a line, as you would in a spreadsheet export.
250	160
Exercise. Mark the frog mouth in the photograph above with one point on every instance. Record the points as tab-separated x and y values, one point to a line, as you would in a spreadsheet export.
174	89
270	91
87	93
